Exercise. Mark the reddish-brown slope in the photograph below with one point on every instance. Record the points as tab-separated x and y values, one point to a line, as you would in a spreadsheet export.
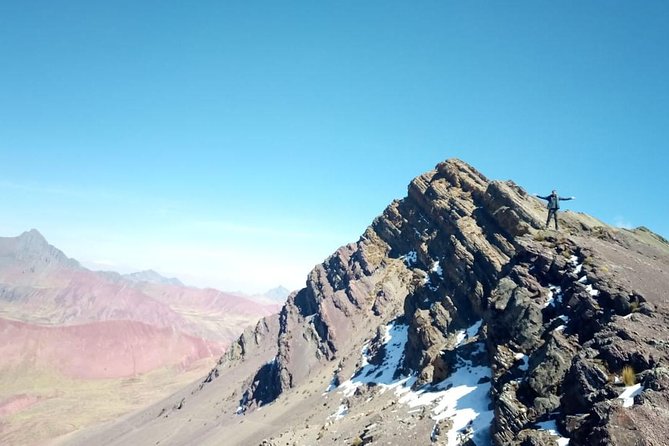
94	345
207	299
107	349
39	284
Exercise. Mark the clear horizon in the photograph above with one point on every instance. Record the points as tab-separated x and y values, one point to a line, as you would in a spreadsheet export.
237	145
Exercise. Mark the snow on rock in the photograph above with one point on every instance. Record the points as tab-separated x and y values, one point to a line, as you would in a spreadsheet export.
435	268
578	269
241	408
411	258
525	361
629	393
474	329
334	383
591	290
394	340
463	397
550	426
341	412
554	296
555	300
462	335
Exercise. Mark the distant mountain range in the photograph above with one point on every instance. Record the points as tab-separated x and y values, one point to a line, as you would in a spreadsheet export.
63	321
151	276
278	294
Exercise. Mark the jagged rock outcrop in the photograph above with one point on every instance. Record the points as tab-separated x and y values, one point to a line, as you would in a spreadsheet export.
459	281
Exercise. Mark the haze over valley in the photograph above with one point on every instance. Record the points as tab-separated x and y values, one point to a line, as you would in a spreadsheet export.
98	344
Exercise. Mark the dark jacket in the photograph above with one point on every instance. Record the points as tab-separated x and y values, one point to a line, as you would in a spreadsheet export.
554	201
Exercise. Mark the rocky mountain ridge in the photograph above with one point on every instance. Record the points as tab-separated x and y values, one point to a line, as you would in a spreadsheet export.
455	319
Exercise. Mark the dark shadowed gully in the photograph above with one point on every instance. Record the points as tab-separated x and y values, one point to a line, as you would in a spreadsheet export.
455	319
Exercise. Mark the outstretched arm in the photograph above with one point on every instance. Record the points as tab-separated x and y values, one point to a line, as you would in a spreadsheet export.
543	198
567	198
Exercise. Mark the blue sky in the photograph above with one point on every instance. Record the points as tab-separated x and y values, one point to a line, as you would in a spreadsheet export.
237	144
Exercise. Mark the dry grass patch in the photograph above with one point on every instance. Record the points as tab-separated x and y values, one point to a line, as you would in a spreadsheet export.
357	441
629	377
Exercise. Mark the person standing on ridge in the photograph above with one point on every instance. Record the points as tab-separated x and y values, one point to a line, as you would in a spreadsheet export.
553	206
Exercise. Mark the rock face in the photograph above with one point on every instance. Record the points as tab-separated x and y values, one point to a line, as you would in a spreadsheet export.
459	320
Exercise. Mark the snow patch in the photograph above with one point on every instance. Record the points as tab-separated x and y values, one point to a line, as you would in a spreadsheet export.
463	397
554	296
462	335
241	408
436	268
394	340
591	290
578	267
525	361
433	434
474	329
411	258
341	412
550	426
629	393
332	385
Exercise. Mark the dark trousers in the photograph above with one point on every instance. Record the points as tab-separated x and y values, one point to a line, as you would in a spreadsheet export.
552	213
